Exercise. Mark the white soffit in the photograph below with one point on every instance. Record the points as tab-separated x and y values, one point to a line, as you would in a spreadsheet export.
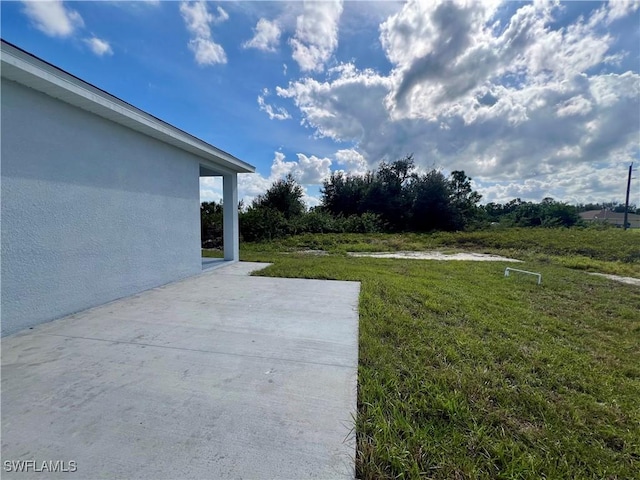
28	70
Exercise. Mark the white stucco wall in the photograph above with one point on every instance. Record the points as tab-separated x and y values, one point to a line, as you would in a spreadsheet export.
91	211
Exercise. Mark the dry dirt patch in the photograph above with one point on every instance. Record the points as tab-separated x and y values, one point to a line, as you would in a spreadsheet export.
435	255
618	278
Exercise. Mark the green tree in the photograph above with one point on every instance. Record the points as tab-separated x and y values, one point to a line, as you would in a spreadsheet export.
389	193
548	213
464	200
383	193
346	194
431	207
274	214
284	196
262	223
558	214
211	224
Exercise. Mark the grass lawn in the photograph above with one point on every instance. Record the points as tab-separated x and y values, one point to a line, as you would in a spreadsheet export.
464	373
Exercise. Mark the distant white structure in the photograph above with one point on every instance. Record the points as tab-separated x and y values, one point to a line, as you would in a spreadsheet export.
100	200
508	270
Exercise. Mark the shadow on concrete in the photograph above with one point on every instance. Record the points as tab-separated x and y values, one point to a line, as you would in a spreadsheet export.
208	263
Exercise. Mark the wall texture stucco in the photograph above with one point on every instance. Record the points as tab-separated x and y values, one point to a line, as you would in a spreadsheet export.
91	211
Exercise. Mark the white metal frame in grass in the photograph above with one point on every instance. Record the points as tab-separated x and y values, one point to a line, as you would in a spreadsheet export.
509	269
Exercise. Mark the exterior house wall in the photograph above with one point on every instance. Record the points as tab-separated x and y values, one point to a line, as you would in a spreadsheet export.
91	210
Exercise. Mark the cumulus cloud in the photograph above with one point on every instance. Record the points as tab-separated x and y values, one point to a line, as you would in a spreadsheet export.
347	107
580	184
312	170
198	21
504	98
316	35
577	105
448	55
98	46
308	170
266	36
211	189
443	51
353	161
53	18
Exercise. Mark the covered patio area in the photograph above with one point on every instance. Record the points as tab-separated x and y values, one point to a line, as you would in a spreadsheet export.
231	230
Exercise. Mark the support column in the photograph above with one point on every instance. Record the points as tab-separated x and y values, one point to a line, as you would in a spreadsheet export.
230	219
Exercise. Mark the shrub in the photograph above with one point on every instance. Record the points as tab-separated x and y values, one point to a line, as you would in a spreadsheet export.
365	223
263	223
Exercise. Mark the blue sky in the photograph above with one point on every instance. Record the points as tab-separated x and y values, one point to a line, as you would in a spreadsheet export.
530	99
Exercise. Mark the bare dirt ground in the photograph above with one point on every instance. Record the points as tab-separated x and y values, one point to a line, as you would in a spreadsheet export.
435	255
618	278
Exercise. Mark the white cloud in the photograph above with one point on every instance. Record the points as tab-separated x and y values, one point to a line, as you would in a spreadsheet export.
620	8
446	54
443	51
277	113
211	189
316	35
352	160
579	184
311	170
525	98
198	21
347	108
207	52
280	167
306	170
574	106
251	185
53	18
98	46
266	36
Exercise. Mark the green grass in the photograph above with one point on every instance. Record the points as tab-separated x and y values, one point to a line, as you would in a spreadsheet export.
606	251
464	373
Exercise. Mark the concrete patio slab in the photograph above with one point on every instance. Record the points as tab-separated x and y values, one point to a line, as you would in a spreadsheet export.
217	376
240	268
210	262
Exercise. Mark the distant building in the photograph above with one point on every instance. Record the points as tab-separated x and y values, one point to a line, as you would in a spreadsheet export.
614	218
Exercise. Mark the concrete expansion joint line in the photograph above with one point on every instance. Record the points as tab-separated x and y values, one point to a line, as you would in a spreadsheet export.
214	352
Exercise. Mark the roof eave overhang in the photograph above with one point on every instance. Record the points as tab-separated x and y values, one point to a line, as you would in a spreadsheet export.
41	76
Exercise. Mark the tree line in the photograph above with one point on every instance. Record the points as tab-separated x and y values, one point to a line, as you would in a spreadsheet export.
393	198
